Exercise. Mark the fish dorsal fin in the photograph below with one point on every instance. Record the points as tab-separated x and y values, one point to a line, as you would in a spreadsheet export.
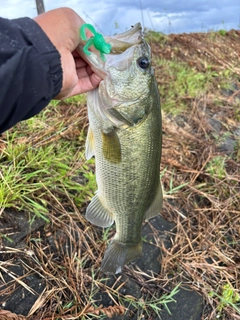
97	214
111	145
89	144
156	205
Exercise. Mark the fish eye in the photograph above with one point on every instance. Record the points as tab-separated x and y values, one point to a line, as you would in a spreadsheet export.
143	62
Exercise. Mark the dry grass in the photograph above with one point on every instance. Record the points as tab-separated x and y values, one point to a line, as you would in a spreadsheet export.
205	244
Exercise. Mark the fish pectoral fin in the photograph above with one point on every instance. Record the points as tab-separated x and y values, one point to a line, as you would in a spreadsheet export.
97	214
156	206
118	254
111	145
89	144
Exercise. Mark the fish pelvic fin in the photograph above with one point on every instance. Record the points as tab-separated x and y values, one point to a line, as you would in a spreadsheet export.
89	144
118	254
156	206
97	214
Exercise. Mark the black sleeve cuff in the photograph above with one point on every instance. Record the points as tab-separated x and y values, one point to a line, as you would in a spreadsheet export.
30	71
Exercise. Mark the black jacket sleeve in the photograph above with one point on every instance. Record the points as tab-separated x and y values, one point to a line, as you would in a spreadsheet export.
30	71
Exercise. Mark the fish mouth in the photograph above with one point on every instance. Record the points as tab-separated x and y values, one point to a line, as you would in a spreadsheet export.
125	40
119	43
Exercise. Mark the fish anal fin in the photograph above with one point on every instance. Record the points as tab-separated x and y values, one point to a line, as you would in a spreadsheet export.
156	206
97	214
111	146
118	254
89	144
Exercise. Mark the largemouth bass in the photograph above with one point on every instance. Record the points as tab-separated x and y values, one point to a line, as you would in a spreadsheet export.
125	136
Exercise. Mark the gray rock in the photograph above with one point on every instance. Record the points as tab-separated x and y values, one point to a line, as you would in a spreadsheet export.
22	300
18	226
150	260
227	146
215	125
237	132
188	306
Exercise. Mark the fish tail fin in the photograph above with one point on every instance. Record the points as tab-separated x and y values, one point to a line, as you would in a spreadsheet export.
118	254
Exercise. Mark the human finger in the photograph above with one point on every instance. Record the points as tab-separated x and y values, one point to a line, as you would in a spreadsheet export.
80	62
86	84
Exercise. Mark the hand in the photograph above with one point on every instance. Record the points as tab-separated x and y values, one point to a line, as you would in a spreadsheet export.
78	76
62	28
